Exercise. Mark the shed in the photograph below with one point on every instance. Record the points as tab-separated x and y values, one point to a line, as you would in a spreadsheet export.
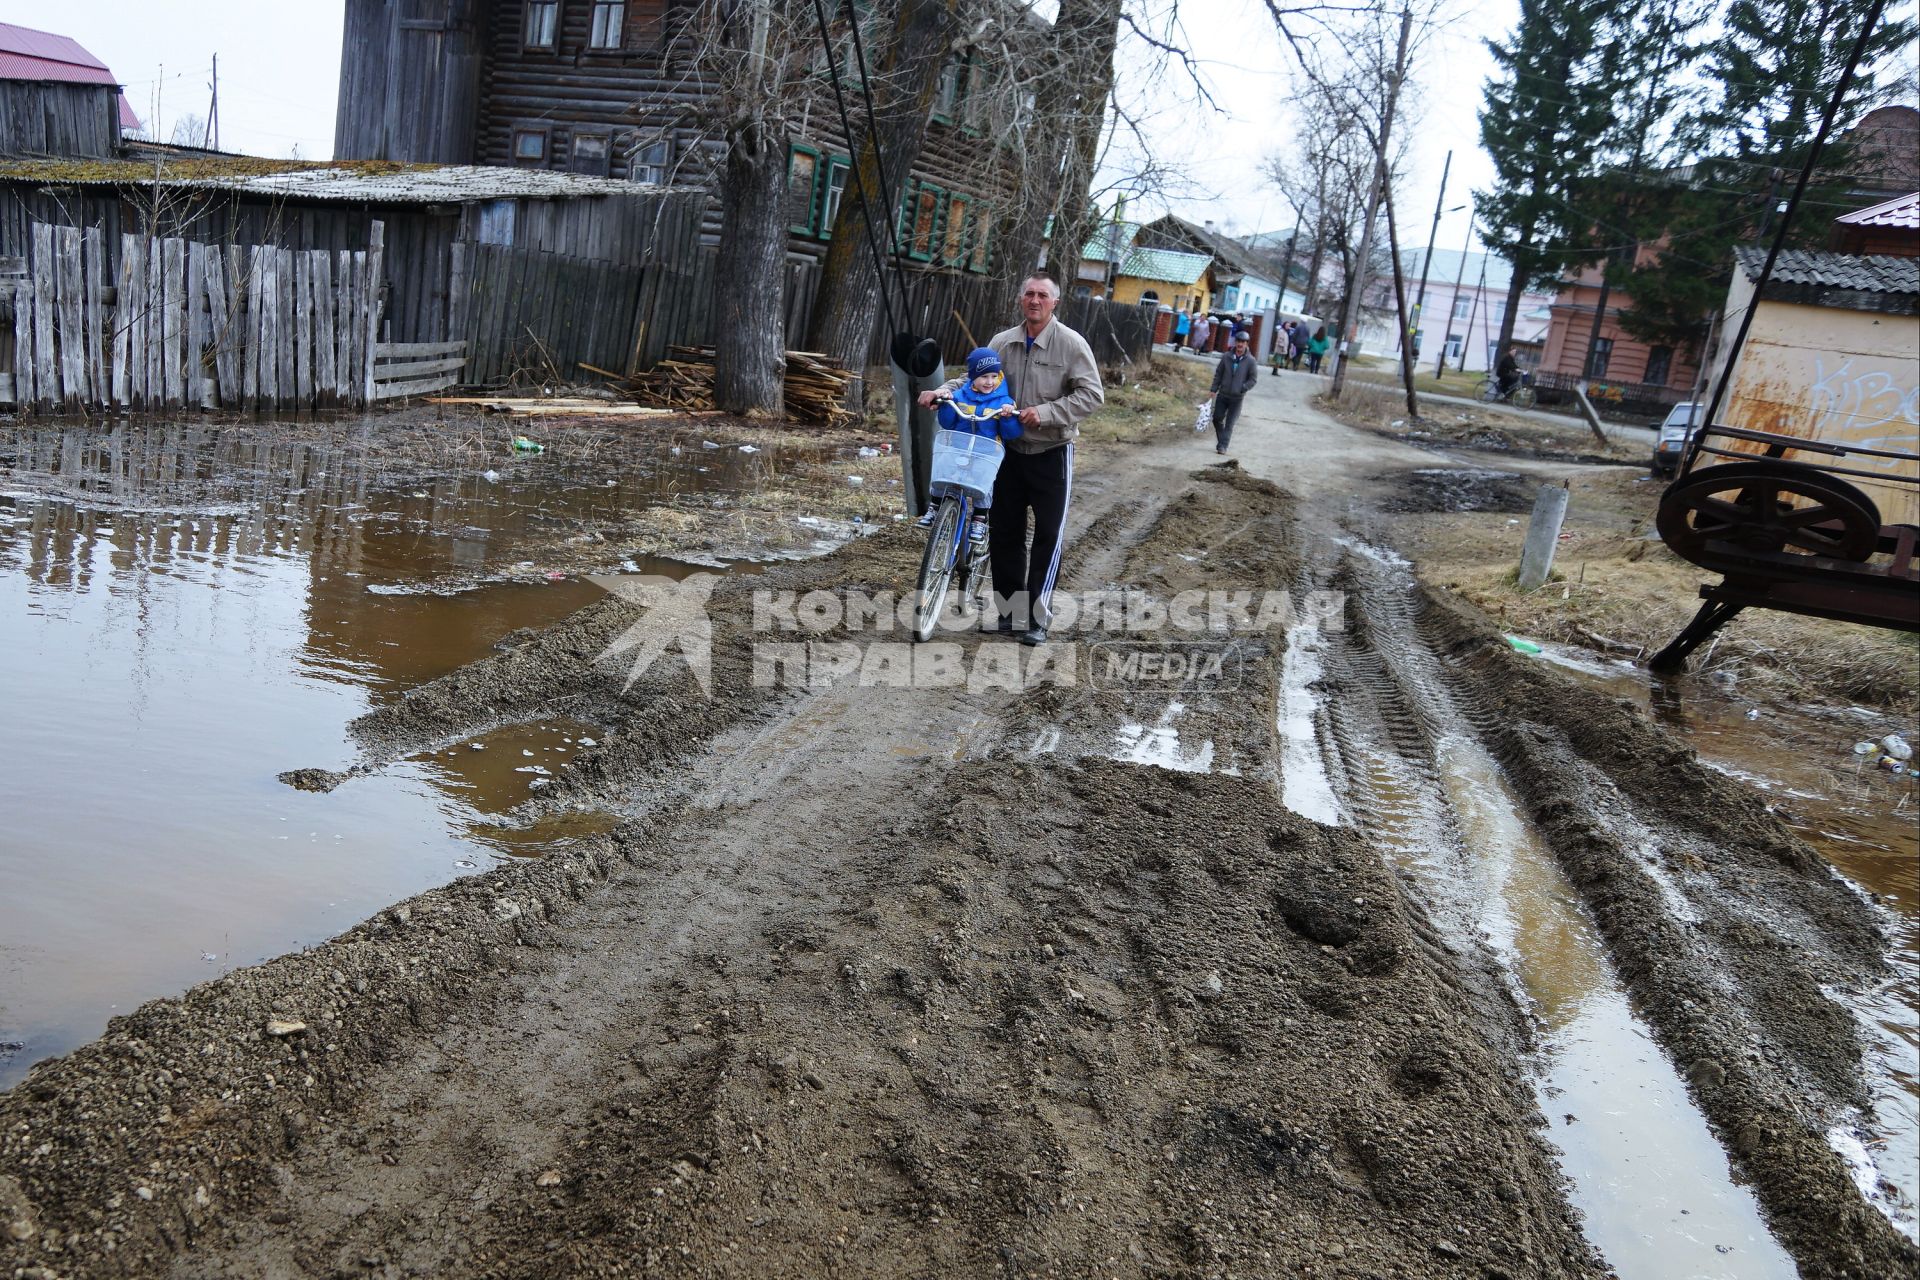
56	99
1163	275
1833	354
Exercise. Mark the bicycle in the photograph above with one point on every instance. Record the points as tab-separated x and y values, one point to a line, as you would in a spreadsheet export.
1522	396
964	466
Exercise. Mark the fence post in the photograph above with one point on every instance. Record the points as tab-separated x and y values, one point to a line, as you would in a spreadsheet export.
1543	536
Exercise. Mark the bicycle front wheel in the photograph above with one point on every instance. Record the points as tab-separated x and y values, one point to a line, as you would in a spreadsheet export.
1523	397
1489	390
936	568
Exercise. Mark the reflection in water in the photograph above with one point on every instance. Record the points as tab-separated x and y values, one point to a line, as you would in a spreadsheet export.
188	610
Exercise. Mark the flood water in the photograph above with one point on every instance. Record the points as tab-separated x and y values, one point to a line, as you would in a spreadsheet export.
187	611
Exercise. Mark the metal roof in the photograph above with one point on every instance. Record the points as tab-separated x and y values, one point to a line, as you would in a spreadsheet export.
1120	235
1169	265
26	54
1853	273
1901	211
353	183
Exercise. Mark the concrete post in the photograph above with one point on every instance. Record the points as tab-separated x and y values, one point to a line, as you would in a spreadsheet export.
1543	535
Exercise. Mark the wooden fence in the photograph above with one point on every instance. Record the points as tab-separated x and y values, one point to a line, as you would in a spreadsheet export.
183	324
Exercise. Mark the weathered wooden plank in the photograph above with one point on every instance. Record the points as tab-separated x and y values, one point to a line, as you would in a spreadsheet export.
343	324
173	266
6	388
393	350
94	252
394	390
303	328
326	385
357	332
268	265
154	317
457	301
376	253
70	315
122	325
283	270
416	369
23	344
250	331
197	389
46	385
220	330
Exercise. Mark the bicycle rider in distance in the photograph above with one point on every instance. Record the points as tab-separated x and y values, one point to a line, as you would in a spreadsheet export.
980	406
1508	372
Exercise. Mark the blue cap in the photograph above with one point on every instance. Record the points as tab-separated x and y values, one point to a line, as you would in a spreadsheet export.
982	360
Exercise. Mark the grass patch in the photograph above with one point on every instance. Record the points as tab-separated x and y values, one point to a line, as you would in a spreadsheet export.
1382	409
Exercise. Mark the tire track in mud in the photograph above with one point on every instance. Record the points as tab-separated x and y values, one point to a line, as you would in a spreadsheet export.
830	1010
1720	924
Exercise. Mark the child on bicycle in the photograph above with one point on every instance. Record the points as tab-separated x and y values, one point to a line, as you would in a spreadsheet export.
981	406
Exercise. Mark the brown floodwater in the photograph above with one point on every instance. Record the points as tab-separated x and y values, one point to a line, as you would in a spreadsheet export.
1866	822
188	610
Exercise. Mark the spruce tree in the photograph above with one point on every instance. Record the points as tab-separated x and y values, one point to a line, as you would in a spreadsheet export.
1772	70
1542	123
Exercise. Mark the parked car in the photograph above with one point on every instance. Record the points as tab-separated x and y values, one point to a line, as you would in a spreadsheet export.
1671	447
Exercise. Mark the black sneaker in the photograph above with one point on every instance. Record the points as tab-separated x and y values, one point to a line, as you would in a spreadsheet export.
925	521
1033	636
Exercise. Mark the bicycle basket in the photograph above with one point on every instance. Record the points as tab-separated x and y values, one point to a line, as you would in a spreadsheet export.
965	463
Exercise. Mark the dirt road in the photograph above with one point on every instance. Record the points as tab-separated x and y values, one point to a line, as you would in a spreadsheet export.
960	978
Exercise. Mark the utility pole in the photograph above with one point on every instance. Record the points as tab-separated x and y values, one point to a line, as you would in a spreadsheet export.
213	109
1400	306
1420	299
1440	363
1350	308
1466	339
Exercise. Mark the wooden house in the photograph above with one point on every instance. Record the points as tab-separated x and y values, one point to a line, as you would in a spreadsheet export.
598	87
56	99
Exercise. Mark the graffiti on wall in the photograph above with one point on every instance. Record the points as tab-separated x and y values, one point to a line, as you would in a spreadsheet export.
1867	407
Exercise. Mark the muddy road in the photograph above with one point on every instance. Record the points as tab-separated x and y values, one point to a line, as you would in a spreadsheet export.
1365	947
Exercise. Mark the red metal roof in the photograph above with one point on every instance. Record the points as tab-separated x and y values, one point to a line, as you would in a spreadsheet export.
26	54
1901	211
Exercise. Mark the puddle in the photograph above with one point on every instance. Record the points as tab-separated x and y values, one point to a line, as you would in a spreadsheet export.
188	611
1653	1184
1305	787
1158	744
1867	824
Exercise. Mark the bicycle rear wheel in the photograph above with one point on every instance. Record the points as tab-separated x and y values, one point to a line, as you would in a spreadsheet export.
1488	390
1524	397
936	568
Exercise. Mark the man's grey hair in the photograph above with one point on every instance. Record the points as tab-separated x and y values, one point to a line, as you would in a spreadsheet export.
1046	280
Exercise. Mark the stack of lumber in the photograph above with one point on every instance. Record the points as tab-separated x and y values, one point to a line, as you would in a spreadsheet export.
816	386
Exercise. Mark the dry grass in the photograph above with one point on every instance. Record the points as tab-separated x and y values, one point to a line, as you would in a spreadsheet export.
1383	410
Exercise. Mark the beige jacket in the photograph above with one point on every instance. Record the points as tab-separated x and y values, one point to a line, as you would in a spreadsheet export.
1056	375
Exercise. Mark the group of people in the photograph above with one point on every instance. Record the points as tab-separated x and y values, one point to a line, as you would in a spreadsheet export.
1198	330
1294	344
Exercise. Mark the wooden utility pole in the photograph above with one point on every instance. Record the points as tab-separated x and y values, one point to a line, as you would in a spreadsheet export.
1426	263
1350	309
1400	306
213	109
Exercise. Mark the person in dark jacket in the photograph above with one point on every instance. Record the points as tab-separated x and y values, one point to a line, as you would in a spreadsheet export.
1232	379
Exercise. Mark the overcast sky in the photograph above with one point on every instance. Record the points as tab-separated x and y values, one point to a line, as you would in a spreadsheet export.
280	64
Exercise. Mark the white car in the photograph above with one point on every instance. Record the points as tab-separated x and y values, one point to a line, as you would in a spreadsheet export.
1671	447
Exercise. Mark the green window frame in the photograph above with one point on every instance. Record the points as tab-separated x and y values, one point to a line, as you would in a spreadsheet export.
811	211
923	224
953	238
833	190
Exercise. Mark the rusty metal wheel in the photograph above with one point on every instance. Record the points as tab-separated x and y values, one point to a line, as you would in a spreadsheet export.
1766	509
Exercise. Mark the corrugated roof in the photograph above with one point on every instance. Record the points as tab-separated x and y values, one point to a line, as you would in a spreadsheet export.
1169	265
1901	211
1852	273
360	183
26	54
1121	240
28	43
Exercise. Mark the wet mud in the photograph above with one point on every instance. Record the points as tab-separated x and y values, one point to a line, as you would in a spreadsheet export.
1061	986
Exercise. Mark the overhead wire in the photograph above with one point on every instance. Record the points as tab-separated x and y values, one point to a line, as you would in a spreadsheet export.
854	170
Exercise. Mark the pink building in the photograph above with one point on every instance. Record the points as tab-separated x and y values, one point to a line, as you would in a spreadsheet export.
1466	303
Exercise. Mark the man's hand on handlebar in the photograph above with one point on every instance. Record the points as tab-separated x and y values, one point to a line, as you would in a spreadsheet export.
928	399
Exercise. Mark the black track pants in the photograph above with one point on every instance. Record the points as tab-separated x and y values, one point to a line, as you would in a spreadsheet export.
1023	578
1226	412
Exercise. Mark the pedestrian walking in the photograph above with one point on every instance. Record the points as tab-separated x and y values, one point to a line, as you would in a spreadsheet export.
1235	376
1317	349
1056	384
1182	326
1202	331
